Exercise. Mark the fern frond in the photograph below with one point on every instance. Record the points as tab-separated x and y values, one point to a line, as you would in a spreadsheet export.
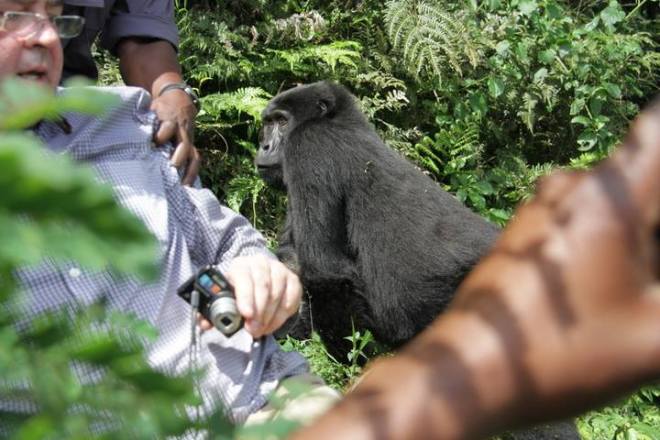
248	100
432	40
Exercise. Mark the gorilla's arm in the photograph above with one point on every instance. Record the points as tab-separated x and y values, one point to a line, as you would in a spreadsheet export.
326	254
316	185
286	250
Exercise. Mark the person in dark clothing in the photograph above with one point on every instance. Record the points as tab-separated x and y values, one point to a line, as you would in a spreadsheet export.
143	35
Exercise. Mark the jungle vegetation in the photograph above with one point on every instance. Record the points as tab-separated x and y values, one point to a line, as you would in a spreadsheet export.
485	96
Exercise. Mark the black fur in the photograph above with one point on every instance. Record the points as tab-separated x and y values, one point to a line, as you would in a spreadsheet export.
378	243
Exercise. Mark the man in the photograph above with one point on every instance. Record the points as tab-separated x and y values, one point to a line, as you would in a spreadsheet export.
191	227
144	37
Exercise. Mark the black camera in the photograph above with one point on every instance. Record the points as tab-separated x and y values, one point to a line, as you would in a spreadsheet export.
217	302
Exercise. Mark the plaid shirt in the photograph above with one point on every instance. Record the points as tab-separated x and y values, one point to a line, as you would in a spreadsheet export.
192	228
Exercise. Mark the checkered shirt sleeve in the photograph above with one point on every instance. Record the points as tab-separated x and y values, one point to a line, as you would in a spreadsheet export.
192	228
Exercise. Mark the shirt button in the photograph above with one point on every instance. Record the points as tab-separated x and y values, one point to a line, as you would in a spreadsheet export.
74	272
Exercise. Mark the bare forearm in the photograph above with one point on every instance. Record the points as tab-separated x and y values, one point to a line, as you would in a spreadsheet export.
440	387
148	64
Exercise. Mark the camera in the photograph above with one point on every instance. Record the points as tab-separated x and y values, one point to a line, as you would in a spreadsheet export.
217	302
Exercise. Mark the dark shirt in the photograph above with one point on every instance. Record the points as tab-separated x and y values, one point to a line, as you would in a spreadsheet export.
111	21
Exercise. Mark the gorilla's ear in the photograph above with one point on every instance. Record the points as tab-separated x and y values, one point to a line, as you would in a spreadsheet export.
326	106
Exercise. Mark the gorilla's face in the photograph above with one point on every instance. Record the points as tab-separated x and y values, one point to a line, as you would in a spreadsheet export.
277	124
305	109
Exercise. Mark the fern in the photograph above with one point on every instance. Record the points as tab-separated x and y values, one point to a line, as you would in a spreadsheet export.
249	100
429	38
345	53
301	27
243	188
527	113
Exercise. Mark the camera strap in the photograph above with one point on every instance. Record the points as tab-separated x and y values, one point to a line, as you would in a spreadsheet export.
194	347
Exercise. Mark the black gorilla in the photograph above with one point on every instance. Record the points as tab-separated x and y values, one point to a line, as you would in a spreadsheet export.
378	244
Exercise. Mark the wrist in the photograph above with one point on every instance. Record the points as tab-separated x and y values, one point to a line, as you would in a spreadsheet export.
182	87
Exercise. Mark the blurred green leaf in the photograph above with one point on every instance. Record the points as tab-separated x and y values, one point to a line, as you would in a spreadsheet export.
547	56
23	105
495	87
527	6
52	194
612	14
613	90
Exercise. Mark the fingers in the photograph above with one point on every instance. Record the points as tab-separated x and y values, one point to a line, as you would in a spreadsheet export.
267	293
185	148
192	170
289	304
240	278
177	125
638	159
166	131
203	323
286	291
186	155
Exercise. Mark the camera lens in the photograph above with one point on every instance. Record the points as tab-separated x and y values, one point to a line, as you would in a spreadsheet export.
224	315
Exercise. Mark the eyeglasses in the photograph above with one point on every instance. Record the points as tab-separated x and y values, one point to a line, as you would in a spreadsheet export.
66	26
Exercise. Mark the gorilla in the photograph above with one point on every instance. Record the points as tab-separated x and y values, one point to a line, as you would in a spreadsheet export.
378	244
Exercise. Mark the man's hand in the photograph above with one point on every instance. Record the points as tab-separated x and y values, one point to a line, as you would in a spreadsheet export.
267	293
152	64
176	113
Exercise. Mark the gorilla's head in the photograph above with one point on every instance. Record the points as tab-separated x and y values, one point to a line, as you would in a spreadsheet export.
303	108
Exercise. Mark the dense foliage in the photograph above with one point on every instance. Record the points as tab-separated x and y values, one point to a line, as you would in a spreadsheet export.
53	209
484	96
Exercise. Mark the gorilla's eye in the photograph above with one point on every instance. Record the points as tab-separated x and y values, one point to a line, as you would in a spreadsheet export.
281	120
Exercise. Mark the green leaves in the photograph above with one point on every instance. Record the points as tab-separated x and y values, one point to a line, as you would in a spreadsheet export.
249	100
23	106
126	400
335	54
495	87
433	41
526	7
547	56
51	207
637	417
612	15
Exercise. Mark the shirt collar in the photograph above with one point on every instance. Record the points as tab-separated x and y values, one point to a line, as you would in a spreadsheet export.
47	129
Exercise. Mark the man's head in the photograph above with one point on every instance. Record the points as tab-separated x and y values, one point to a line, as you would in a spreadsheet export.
30	44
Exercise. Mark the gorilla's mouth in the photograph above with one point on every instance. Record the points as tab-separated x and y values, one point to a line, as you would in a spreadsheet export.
272	175
265	166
